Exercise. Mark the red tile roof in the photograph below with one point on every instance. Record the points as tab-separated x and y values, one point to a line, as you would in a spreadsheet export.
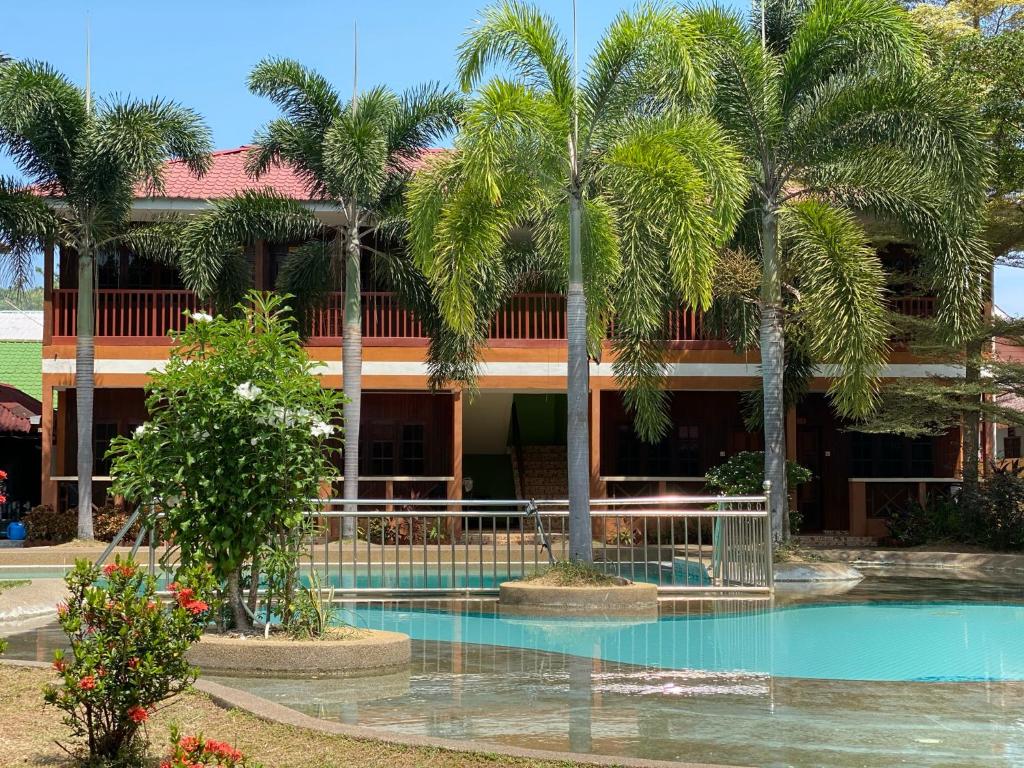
17	410
227	176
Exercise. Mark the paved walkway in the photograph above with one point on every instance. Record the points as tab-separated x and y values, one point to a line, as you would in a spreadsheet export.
973	561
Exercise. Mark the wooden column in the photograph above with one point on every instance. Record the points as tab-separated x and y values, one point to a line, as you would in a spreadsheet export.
791	449
49	487
259	277
48	294
858	509
455	484
598	488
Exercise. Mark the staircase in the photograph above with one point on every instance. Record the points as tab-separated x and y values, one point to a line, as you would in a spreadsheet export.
543	473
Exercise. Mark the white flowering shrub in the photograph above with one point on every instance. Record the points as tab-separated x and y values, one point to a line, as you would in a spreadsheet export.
237	442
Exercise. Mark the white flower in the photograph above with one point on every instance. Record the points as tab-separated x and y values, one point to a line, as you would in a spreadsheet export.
141	430
254	441
321	429
202	317
248	391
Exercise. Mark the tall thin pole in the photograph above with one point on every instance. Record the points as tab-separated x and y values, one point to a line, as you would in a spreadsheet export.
88	63
576	80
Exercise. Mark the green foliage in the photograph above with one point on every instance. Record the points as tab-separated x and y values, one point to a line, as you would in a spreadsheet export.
742	474
126	656
238	438
991	517
314	612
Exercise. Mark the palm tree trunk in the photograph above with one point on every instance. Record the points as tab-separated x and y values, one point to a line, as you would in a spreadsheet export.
772	374
85	354
352	373
578	392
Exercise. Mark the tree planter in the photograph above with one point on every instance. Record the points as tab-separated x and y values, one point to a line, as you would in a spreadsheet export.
625	599
816	578
363	652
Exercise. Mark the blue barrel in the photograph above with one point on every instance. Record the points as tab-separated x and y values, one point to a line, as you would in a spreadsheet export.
16	531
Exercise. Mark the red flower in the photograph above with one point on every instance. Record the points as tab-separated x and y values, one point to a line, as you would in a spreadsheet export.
127	570
190	744
59	665
109	569
3	499
133	662
62	609
166	764
137	714
174	586
184	595
3	475
101	672
195	607
150	606
87	683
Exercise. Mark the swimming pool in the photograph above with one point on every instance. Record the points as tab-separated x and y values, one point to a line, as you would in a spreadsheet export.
913	672
938	641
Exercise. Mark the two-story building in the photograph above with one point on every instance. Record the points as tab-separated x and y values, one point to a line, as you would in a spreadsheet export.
506	441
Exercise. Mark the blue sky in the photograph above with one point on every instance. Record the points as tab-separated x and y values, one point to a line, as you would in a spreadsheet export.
199	53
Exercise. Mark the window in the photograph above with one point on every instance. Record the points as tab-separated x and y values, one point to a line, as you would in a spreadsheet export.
1011	444
412	449
102	435
891	456
382	457
689	452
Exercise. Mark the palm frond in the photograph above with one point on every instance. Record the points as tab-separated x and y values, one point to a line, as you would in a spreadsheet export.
42	116
519	35
26	222
832	36
303	95
842	286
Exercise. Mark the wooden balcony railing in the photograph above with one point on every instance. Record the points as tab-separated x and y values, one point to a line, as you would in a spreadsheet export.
529	317
914	306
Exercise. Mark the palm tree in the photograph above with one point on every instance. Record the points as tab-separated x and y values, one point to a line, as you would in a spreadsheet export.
610	189
356	157
90	158
837	115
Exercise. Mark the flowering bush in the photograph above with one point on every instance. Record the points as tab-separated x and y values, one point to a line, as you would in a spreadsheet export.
45	524
238	440
3	487
127	652
197	752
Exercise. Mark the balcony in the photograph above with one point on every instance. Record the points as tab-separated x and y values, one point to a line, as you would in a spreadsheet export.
125	316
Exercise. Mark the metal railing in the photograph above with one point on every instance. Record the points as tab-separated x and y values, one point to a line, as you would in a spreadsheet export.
699	544
436	547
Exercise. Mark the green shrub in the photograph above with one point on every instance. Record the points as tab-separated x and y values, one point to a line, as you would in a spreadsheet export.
238	439
127	654
742	474
45	524
993	517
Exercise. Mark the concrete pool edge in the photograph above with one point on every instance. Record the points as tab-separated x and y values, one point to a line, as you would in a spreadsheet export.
232	698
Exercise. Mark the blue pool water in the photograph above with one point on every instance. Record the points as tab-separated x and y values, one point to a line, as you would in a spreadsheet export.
881	641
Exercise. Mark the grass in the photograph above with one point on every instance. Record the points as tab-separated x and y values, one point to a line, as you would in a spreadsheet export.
29	730
11	583
572	573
